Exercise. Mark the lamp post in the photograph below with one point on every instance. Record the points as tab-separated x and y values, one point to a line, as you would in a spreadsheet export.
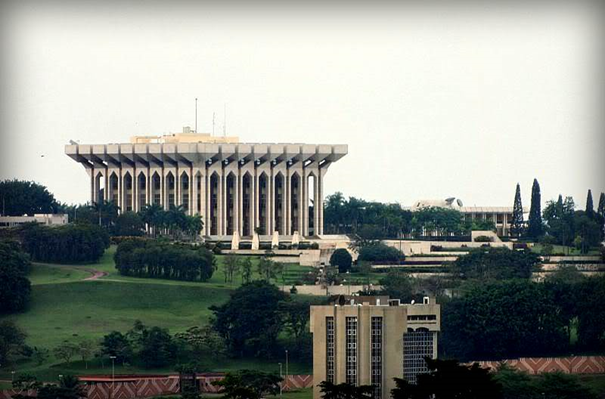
113	374
281	384
286	380
13	376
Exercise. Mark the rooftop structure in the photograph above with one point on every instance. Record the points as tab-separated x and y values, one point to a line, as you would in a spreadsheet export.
40	218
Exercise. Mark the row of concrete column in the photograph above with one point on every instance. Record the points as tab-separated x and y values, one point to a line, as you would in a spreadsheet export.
229	197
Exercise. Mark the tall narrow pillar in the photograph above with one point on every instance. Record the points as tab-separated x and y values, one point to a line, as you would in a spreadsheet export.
271	202
240	206
305	203
207	194
106	191
222	204
91	173
287	191
253	203
236	202
320	204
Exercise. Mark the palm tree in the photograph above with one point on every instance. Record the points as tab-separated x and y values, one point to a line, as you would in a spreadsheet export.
105	209
152	216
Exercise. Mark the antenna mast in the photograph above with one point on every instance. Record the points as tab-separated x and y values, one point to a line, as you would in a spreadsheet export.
225	120
196	115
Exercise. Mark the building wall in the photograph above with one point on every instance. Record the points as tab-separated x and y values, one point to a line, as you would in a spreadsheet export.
394	325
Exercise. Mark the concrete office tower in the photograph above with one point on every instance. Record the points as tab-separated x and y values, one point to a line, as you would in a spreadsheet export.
235	187
369	340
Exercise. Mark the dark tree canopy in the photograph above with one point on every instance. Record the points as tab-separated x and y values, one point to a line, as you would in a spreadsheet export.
601	208
398	285
379	252
589	203
249	384
504	320
129	224
495	264
72	243
250	321
534	226
12	340
158	259
517	222
15	288
158	348
559	217
18	197
342	259
330	390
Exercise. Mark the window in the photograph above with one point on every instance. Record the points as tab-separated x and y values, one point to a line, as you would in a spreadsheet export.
330	349
416	346
351	359
377	356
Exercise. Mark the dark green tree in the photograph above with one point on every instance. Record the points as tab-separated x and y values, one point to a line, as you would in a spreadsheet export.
18	197
495	264
12	341
65	351
534	225
588	230
589	204
158	349
559	217
342	259
15	288
330	390
562	386
129	224
248	384
601	208
69	387
517	223
590	314
447	379
398	285
117	344
250	321
379	252
504	320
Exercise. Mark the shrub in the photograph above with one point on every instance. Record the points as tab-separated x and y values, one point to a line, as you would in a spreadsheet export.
156	259
379	252
15	288
484	239
341	258
72	243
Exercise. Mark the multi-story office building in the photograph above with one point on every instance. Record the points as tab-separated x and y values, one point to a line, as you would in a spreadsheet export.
236	187
369	340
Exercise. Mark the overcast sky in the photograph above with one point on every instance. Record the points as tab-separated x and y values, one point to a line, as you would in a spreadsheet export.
433	101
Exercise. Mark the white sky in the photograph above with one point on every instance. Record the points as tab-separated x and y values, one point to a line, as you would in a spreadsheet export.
433	101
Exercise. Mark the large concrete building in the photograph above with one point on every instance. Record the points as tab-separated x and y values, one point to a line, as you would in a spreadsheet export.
235	187
371	340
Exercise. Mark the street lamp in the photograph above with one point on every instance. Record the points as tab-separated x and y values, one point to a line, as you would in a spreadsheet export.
113	374
13	376
281	384
286	368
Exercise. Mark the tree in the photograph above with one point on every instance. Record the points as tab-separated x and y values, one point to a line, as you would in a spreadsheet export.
19	197
342	259
330	390
601	208
379	252
250	321
129	224
157	348
588	231
116	344
398	285
559	217
69	387
106	212
87	350
295	315
562	386
495	264
591	314
203	340
15	288
66	351
152	217
517	223
246	270
589	204
431	221
448	379
266	268
534	227
230	267
248	384
504	320
40	355
12	341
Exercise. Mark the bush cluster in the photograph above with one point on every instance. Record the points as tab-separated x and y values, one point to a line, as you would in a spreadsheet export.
379	252
157	259
72	243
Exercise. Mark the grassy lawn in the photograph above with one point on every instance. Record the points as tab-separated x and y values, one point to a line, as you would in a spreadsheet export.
64	307
596	382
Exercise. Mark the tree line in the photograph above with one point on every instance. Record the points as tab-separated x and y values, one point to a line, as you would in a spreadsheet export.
159	259
15	287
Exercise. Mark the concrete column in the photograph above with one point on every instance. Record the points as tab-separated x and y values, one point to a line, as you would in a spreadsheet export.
288	202
300	205
135	190
120	190
315	204
254	221
241	194
106	191
221	203
271	202
236	202
164	187
194	193
207	189
149	183
320	201
305	203
91	173
192	182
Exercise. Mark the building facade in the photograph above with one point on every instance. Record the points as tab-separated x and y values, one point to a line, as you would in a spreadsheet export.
46	219
371	340
237	188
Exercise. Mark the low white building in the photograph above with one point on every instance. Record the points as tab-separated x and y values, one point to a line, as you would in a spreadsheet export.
45	219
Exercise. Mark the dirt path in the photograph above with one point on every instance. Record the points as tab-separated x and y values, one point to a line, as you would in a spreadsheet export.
95	274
